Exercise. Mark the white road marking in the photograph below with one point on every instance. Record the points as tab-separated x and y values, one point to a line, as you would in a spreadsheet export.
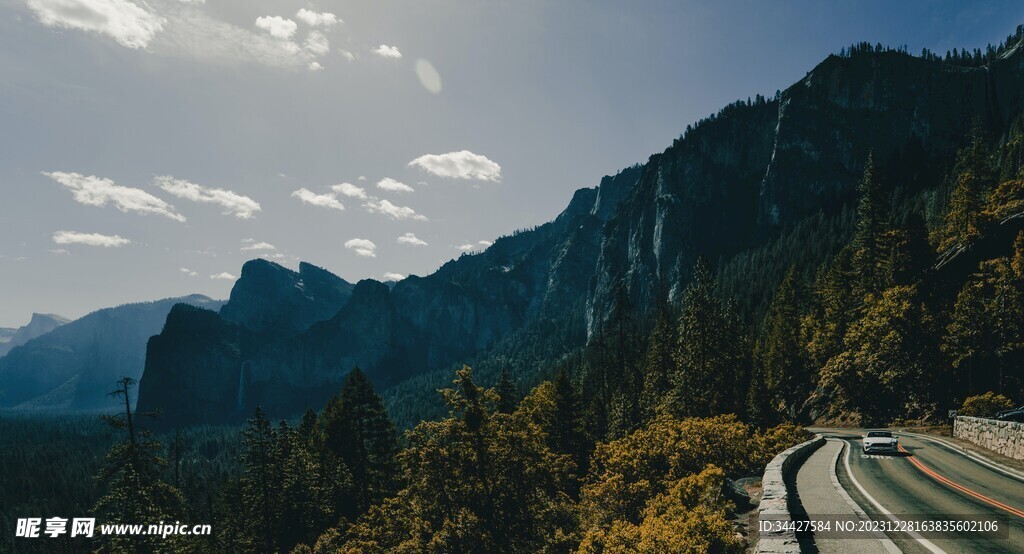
913	534
861	514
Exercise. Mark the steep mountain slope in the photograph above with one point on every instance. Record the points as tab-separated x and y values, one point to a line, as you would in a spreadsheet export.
393	332
729	185
39	325
72	367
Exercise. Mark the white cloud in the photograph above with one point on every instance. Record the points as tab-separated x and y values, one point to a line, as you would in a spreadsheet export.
362	177
277	26
350	190
386	51
251	244
233	203
428	76
323	200
96	191
188	272
59	251
468	247
314	19
274	256
362	247
485	243
347	55
392	185
411	239
393	276
89	239
393	211
317	43
314	66
224	275
126	22
459	165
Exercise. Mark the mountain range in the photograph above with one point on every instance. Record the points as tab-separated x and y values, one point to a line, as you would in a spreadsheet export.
73	366
730	184
39	325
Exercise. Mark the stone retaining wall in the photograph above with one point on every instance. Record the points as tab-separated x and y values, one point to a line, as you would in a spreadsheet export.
1002	437
775	497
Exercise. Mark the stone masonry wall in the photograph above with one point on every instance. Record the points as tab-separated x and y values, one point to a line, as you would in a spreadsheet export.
1003	437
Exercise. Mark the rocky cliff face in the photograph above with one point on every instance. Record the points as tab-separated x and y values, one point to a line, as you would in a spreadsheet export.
728	185
269	298
71	368
733	181
39	325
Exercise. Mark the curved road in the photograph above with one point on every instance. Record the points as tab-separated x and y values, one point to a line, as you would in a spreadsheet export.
927	478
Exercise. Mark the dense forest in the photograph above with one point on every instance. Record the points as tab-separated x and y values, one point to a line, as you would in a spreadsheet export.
630	443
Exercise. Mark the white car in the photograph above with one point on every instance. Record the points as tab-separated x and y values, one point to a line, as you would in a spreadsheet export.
880	441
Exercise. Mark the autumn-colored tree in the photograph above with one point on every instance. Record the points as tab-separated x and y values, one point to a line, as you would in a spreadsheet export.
974	175
476	481
888	367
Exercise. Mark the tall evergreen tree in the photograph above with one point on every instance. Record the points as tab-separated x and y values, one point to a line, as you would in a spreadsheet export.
780	353
260	484
659	366
710	352
131	474
357	430
867	239
974	175
508	395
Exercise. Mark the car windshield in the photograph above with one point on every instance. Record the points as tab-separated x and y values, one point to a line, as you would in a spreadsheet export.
880	434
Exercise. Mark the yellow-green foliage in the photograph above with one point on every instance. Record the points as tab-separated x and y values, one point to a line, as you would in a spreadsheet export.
985	405
660	488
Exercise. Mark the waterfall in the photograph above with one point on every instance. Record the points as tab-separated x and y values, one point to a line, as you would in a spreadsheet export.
241	388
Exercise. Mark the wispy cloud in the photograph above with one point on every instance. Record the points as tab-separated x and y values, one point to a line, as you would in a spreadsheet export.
362	247
386	51
223	276
328	200
392	185
96	191
350	190
393	276
188	272
411	239
467	247
89	239
485	243
249	245
127	23
459	165
233	203
314	19
393	211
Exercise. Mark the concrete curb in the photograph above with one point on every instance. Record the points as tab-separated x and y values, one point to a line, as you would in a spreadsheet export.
775	497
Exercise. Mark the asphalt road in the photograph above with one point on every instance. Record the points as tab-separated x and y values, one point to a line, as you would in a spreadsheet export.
925	479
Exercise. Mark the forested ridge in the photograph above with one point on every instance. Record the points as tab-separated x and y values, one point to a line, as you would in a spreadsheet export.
894	308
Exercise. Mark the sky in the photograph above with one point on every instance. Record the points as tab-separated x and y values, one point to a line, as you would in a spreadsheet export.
149	148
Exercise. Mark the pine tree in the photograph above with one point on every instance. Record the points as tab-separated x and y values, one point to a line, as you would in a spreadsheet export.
659	366
356	429
508	395
974	175
260	484
780	352
867	238
710	352
135	492
567	435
